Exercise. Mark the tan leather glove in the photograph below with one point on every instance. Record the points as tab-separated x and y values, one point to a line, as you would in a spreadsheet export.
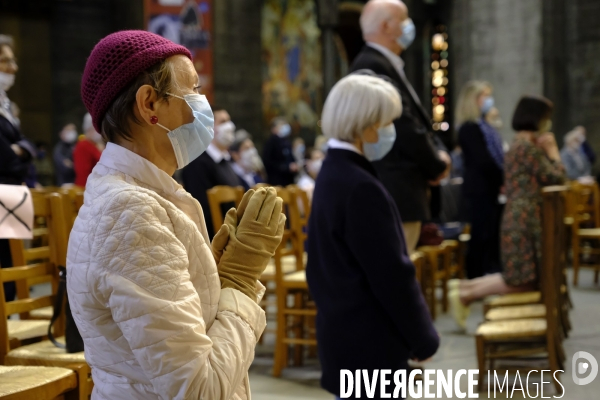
252	243
231	219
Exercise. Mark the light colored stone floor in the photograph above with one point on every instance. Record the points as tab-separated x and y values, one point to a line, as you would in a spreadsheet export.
457	351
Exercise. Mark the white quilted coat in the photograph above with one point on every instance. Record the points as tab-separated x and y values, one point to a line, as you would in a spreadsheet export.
145	293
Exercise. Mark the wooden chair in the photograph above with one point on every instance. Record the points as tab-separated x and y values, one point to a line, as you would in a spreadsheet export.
437	270
300	233
514	341
418	259
585	203
220	195
291	285
45	353
26	273
72	202
39	383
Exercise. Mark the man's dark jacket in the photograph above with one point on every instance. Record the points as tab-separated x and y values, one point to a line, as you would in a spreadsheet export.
413	161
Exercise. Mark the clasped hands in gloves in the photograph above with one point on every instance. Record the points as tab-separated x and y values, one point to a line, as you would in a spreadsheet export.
248	239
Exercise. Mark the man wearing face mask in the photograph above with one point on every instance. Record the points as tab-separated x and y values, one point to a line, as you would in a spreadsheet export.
16	153
416	160
278	156
213	167
87	151
63	155
247	163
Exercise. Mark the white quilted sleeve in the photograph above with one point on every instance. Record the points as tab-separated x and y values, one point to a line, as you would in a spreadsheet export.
148	289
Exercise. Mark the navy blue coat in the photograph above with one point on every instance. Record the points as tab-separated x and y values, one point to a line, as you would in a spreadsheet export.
371	312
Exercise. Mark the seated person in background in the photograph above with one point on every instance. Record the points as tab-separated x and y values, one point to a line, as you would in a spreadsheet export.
63	155
247	164
279	161
573	156
213	167
532	162
87	151
312	167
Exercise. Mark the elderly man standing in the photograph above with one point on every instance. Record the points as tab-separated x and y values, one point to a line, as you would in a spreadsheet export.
416	161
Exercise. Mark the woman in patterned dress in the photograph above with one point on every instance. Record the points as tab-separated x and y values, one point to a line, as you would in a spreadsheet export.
532	162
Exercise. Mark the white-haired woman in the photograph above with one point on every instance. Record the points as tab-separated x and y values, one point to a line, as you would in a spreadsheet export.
371	311
577	164
483	177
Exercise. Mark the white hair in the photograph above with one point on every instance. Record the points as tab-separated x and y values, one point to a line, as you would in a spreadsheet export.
87	123
374	15
357	102
574	138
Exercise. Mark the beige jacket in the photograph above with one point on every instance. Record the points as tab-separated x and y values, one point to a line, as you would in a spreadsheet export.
145	293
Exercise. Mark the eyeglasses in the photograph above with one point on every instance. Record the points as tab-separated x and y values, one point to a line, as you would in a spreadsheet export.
6	60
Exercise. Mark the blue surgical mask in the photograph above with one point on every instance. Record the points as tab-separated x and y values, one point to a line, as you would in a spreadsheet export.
376	151
191	140
487	105
285	130
409	32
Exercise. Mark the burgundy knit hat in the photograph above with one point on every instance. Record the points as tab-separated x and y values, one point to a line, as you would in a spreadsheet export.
116	61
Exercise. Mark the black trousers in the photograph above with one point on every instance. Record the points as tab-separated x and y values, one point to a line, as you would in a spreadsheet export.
10	289
483	254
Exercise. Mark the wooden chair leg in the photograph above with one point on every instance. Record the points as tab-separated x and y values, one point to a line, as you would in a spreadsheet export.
434	267
596	272
553	358
280	357
445	277
575	261
480	343
298	331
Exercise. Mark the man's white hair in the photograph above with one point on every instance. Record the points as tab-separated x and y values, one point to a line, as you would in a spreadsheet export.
357	102
375	13
87	123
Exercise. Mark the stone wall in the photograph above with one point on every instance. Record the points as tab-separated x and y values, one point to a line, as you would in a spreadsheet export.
237	63
583	68
499	41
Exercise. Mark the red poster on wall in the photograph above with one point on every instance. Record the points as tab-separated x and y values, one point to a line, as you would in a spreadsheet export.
189	23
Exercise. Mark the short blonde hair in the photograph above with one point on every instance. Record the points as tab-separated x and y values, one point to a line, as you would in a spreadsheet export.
467	109
357	102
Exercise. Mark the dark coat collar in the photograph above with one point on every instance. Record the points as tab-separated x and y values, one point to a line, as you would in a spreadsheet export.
352	157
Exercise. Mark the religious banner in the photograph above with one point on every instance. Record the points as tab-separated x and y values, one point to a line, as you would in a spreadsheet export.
188	23
291	57
16	212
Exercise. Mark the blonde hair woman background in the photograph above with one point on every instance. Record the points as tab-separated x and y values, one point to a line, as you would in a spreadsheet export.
483	164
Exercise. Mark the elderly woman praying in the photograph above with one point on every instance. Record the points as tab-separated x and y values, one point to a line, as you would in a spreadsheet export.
162	314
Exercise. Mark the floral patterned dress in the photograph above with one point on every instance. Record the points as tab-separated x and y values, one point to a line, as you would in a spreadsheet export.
528	170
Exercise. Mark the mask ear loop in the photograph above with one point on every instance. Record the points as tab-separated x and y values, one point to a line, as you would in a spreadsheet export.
162	126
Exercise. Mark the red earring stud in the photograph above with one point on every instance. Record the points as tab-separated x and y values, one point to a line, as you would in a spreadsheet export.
153	119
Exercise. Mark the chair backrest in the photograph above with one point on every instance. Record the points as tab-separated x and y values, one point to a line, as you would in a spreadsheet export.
303	214
288	245
583	203
73	201
49	207
418	260
219	195
553	251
